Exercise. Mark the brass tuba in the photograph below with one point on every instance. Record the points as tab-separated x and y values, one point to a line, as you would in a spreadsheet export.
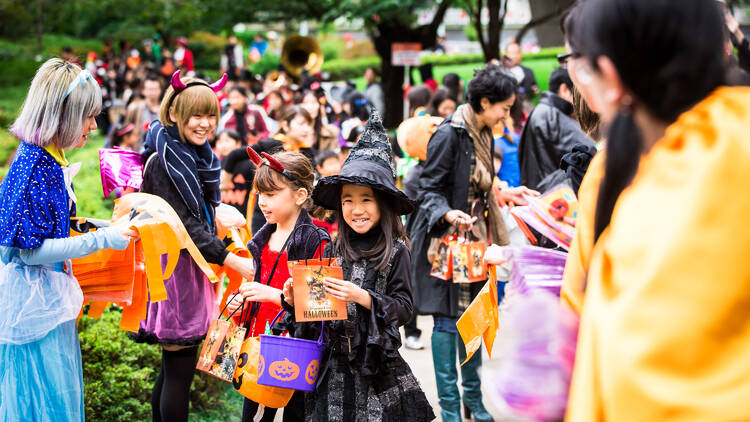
300	53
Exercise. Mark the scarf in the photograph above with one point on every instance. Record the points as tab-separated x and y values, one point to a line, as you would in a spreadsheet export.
194	170
241	121
482	177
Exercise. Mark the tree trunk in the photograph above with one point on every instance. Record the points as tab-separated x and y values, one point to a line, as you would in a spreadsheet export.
494	27
392	77
38	26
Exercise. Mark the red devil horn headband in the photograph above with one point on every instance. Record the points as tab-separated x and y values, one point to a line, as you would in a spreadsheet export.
179	85
271	162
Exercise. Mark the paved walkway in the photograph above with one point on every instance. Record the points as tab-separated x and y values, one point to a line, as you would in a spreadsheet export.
421	364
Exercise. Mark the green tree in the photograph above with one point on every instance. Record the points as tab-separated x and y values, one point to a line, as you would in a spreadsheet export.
386	22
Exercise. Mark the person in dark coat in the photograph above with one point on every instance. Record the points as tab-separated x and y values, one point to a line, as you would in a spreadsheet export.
457	173
551	132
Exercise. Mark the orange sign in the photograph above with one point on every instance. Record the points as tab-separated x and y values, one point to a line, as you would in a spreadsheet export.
406	54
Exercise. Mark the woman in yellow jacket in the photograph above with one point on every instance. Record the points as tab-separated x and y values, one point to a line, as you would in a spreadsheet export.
665	327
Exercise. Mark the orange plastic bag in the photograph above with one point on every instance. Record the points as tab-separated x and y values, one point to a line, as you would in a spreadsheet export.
162	232
480	320
239	237
245	380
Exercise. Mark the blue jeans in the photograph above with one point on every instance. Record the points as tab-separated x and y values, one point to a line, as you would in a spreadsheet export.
444	325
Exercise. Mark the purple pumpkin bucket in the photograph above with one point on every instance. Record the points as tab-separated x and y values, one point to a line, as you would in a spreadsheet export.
288	362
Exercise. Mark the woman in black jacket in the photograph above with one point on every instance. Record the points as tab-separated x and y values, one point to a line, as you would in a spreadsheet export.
457	177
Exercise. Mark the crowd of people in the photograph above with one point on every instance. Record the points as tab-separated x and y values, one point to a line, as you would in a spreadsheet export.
652	147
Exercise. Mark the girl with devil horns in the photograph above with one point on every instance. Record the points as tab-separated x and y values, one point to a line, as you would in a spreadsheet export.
181	168
284	182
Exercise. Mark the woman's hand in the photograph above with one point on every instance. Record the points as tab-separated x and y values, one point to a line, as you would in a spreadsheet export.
494	255
244	266
460	219
126	231
288	292
259	292
347	291
516	195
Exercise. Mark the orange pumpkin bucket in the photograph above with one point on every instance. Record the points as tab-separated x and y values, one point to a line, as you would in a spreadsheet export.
288	362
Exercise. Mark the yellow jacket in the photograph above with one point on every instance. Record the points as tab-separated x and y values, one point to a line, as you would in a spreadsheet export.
579	255
665	328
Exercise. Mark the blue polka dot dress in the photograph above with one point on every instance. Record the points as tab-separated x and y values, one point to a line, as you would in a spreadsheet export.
40	360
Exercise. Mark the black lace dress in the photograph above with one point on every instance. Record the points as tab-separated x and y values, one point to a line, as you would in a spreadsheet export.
363	377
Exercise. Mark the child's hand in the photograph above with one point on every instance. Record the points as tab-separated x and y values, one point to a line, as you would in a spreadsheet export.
259	292
233	305
288	292
494	255
347	291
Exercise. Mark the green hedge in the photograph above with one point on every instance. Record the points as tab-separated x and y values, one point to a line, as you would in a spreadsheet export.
341	69
118	374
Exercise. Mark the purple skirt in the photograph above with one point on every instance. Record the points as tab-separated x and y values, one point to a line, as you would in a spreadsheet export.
183	318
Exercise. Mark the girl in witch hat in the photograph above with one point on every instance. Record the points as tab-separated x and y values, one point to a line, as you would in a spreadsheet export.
363	376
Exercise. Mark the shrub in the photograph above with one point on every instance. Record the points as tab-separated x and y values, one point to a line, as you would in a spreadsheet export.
331	49
207	49
349	68
118	374
18	72
267	63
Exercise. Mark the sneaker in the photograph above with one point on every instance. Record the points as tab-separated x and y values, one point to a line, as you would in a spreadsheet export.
414	343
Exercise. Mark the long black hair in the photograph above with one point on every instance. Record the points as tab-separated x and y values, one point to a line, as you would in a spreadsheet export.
391	231
669	56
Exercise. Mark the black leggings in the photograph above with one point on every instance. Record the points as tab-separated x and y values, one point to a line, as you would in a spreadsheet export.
170	398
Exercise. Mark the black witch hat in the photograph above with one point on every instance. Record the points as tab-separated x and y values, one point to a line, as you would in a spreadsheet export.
370	163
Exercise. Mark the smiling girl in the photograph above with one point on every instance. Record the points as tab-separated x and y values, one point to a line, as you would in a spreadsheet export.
182	169
283	197
41	376
363	376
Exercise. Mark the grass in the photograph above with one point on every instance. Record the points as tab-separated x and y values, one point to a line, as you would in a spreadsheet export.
230	408
542	69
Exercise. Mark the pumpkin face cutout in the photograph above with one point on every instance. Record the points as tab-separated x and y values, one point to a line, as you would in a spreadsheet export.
311	374
284	370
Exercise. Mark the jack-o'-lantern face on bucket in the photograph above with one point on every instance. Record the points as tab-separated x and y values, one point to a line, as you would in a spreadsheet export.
311	374
284	370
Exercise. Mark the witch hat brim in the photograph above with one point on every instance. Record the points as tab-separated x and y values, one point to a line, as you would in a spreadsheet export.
327	192
370	163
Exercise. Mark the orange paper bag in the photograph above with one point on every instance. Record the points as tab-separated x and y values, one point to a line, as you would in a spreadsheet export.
221	350
311	300
442	266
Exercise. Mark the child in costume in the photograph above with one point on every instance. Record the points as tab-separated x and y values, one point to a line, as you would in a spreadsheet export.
181	168
284	182
363	377
41	377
